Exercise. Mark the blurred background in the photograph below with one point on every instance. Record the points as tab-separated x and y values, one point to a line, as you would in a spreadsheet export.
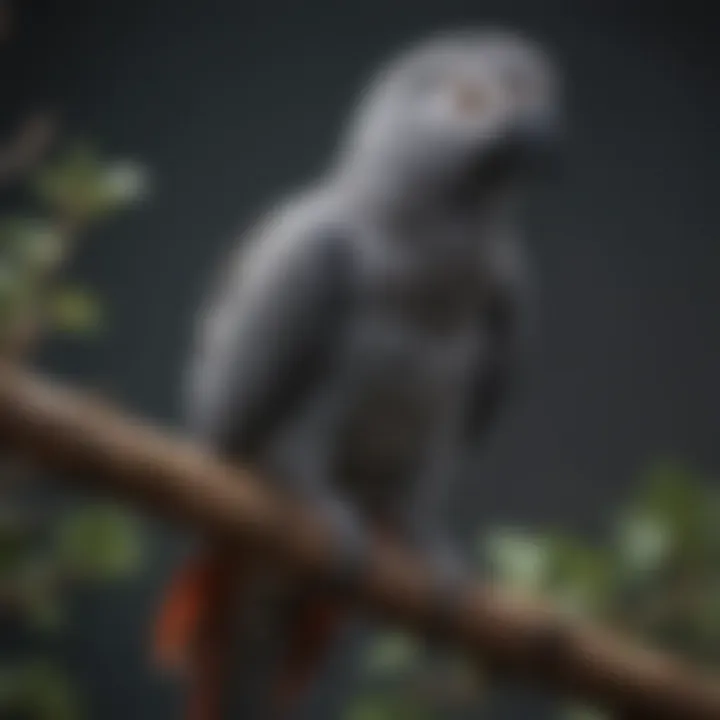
206	111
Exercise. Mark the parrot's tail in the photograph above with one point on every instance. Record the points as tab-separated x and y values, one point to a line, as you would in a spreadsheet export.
199	628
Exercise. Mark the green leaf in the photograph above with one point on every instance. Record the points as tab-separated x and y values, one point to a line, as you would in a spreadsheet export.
677	499
389	706
47	692
706	619
28	246
16	290
98	543
75	310
519	559
580	712
581	577
82	186
30	243
645	543
16	542
38	690
44	612
393	653
37	584
577	576
7	689
8	280
713	534
371	708
125	182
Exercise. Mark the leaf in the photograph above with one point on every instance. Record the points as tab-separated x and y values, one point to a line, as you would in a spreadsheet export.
28	247
581	577
577	576
713	536
98	543
16	290
519	559
125	182
8	280
389	706
581	712
39	690
82	186
44	611
371	708
393	653
75	310
645	544
706	619
676	498
39	592
30	243
7	689
26	576
45	692
16	541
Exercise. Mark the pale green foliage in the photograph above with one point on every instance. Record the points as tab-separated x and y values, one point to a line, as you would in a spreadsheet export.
646	544
83	186
389	707
577	575
393	654
74	191
43	560
75	310
97	543
30	249
578	712
518	558
39	690
655	573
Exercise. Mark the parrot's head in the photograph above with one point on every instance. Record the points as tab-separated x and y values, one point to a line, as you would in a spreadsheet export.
468	111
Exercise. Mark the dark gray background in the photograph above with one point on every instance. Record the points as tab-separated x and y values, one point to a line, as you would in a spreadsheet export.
232	102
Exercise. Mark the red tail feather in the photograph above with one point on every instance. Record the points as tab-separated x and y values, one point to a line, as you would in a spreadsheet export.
193	628
314	628
193	633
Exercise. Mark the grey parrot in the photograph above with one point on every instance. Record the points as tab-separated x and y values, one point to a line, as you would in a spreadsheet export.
357	346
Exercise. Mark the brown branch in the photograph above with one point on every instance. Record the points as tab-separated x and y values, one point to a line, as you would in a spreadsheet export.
104	450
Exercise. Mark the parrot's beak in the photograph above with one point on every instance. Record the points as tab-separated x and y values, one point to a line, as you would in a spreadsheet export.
528	148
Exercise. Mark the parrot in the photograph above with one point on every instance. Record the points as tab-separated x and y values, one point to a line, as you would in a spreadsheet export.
359	342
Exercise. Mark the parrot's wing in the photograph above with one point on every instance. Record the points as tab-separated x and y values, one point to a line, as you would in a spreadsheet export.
265	337
509	322
269	333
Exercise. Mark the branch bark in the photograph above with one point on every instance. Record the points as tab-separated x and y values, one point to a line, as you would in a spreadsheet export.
102	449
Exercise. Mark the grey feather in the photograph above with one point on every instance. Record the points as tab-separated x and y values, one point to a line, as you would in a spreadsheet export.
365	334
269	332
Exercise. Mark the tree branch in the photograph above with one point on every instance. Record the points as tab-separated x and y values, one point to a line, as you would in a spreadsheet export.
106	451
